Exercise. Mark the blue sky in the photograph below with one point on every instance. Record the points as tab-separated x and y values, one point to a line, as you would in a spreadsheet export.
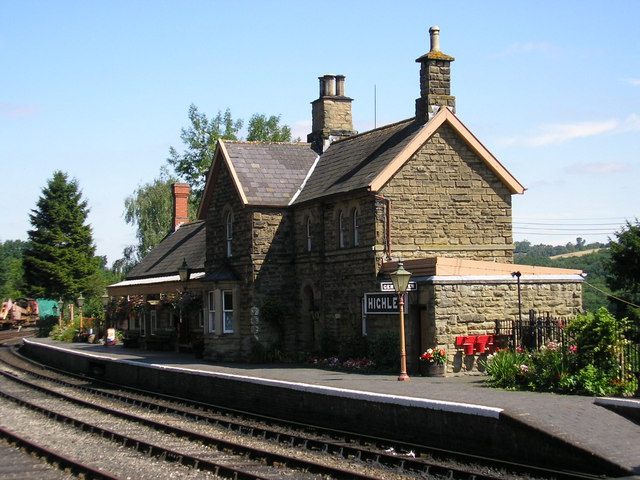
101	89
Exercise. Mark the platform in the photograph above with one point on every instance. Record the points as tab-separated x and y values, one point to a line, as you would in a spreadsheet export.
462	410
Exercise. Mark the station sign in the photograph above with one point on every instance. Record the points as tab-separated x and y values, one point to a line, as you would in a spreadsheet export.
381	303
388	287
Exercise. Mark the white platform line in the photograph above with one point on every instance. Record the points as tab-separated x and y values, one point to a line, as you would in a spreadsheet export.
442	405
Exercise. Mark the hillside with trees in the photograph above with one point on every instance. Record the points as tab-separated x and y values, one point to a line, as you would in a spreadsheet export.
594	259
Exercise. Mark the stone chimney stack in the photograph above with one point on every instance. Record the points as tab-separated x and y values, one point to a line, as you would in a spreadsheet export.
331	113
435	80
180	193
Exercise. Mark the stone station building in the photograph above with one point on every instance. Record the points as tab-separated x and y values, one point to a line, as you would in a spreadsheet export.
292	239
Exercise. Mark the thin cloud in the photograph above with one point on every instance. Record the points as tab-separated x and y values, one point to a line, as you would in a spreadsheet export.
558	133
11	110
633	81
561	133
599	168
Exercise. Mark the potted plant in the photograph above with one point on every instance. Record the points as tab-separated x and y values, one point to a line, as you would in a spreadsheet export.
432	362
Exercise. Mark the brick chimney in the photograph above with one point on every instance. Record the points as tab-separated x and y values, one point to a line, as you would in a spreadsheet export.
435	80
180	193
331	114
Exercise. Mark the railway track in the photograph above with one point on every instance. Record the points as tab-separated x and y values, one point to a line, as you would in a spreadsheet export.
250	447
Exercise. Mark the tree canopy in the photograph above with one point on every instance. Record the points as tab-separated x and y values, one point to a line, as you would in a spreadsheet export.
149	208
60	259
263	129
200	142
624	268
11	270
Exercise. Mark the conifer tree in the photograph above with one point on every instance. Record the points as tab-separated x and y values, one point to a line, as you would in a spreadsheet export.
60	260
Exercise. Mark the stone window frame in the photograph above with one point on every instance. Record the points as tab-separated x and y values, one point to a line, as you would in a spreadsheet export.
227	309
228	232
153	321
211	311
222	320
342	231
308	233
356	227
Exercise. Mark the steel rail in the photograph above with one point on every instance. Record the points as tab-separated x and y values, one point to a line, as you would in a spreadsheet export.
269	458
63	462
400	458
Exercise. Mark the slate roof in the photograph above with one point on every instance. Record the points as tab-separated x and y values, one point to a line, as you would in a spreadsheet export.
186	243
354	162
270	173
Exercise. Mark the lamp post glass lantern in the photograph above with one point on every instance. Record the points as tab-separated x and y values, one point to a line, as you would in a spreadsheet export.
400	279
184	271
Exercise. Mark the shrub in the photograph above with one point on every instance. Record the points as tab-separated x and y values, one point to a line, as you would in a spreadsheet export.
354	346
507	368
66	333
590	366
384	350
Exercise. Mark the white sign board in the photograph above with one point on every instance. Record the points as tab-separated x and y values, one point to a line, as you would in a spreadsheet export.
388	287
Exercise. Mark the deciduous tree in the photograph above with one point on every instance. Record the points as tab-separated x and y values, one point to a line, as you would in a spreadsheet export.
200	142
624	268
263	129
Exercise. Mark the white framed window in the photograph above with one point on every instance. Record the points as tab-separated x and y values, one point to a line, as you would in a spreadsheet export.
229	233
341	230
143	325
211	312
227	311
154	321
356	229
309	234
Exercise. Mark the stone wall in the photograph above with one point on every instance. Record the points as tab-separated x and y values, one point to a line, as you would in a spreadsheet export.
446	202
459	306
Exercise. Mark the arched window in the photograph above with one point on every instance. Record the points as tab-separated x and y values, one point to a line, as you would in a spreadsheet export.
229	233
308	234
356	228
341	230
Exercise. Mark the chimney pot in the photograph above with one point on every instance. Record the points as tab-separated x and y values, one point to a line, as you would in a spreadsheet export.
330	85
435	38
340	85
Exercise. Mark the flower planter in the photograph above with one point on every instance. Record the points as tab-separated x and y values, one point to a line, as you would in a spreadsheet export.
469	348
432	369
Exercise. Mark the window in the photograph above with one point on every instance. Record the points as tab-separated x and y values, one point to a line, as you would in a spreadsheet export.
356	229
227	311
229	231
341	231
212	312
143	326
135	321
154	321
308	234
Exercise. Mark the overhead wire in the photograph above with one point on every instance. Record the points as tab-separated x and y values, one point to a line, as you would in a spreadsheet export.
610	295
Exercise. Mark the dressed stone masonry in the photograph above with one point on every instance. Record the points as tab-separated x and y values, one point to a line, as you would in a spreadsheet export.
290	238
